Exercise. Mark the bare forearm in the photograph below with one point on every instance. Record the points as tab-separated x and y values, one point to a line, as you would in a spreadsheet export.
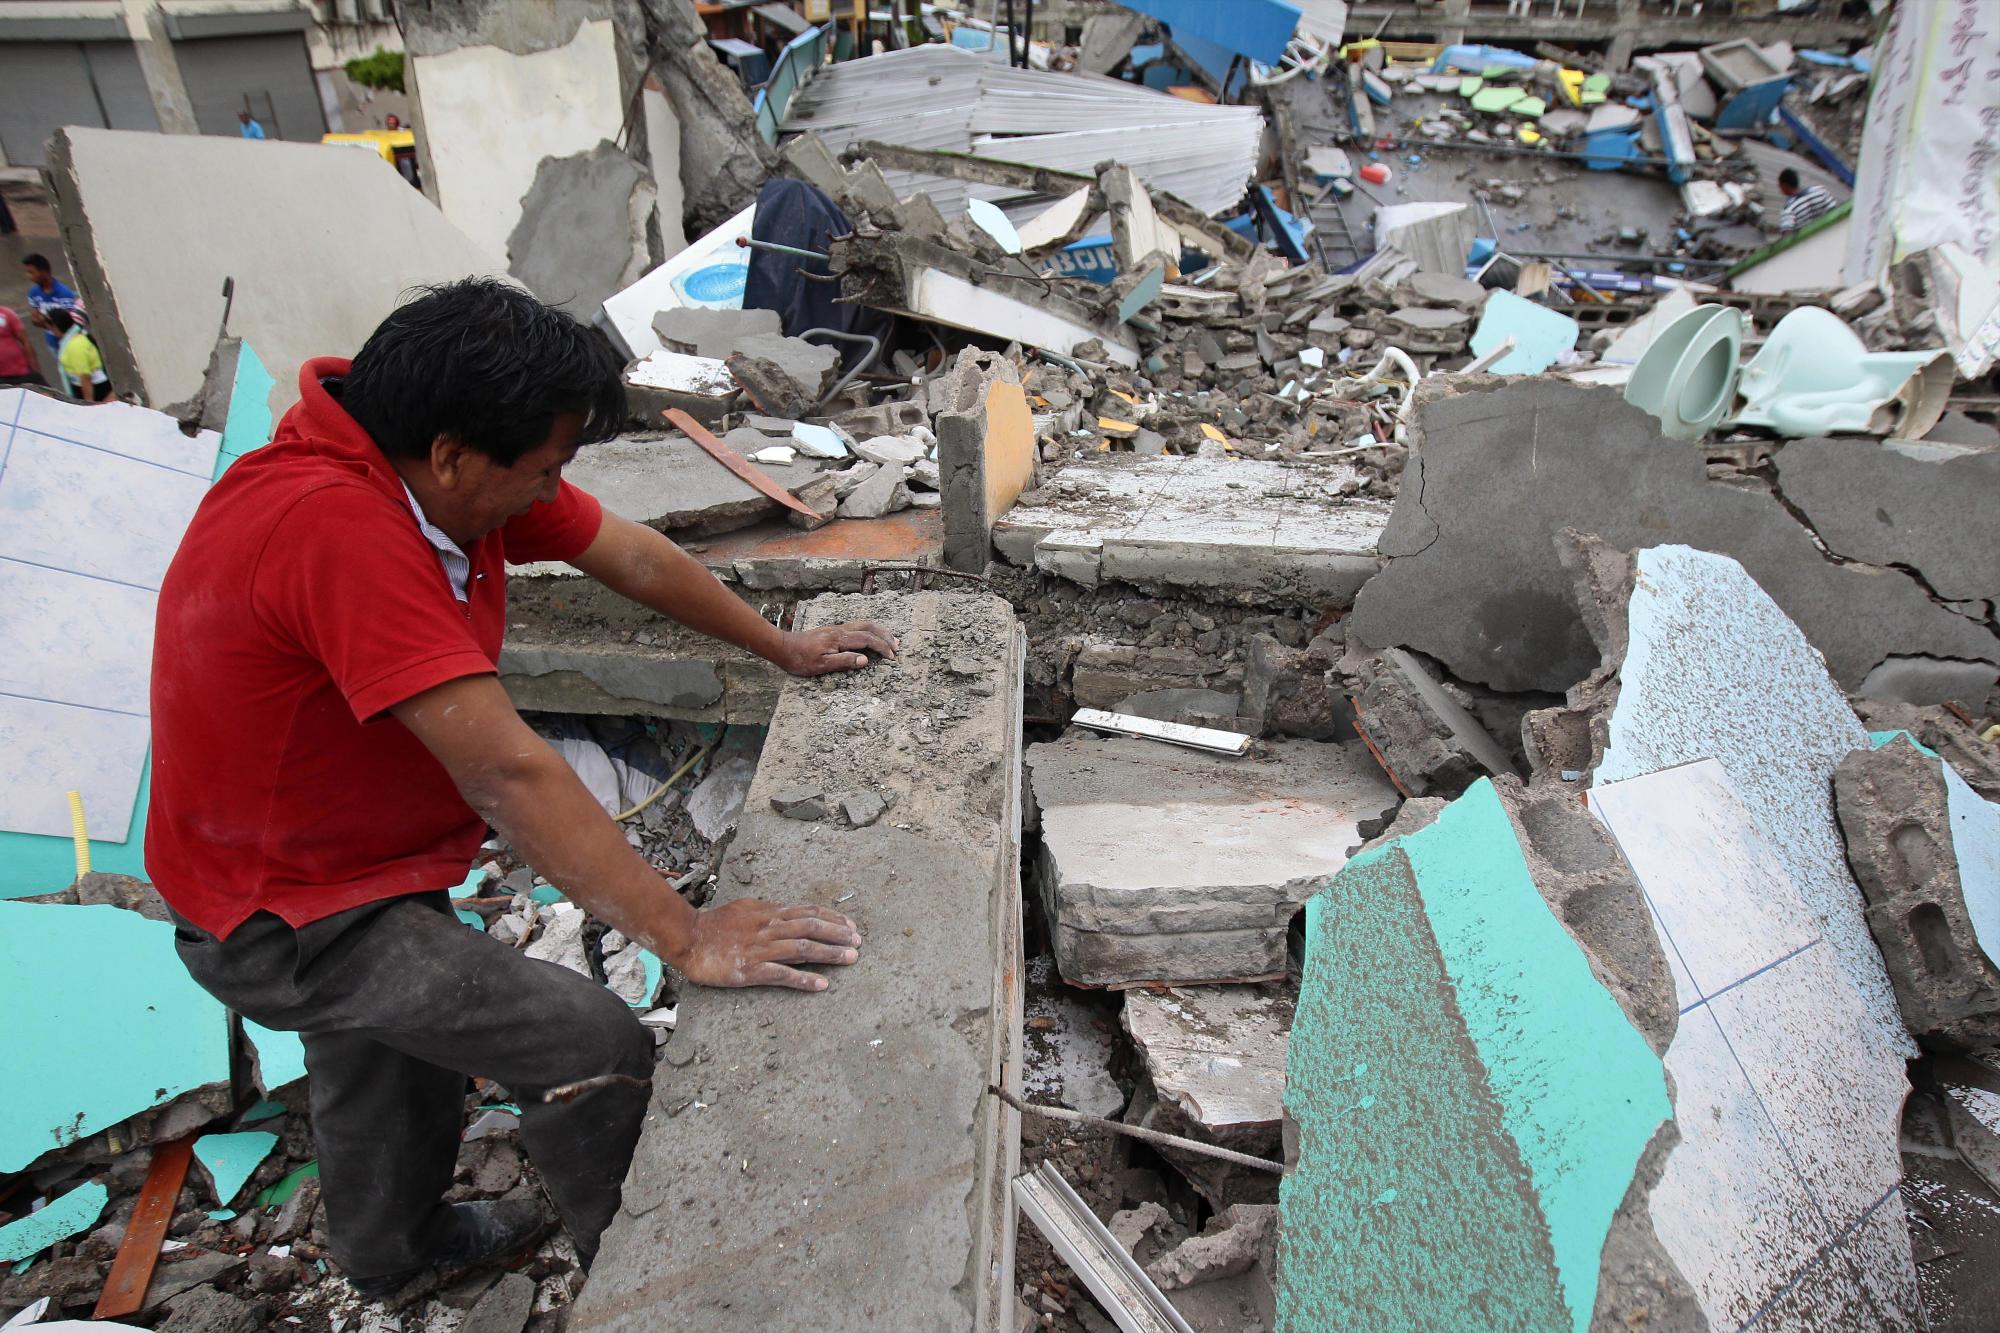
550	818
645	566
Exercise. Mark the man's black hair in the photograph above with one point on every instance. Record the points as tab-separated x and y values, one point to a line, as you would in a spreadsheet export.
36	261
59	319
484	362
1788	179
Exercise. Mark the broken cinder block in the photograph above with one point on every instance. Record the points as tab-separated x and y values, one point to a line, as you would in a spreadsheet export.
1925	849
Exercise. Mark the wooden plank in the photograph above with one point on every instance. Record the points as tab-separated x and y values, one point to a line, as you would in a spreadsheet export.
737	463
132	1271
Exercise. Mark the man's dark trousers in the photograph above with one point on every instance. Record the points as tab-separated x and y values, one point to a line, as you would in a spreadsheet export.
397	1002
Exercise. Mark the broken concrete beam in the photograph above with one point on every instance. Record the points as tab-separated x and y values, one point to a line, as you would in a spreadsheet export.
1781	1203
1286	536
1163	864
1699	663
986	454
582	229
573	646
1925	849
1427	737
1216	1052
1495	473
1915	505
833	1161
1451	1028
700	331
925	280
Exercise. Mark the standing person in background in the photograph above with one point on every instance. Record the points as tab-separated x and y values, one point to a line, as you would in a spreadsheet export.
394	122
46	293
82	364
251	129
17	353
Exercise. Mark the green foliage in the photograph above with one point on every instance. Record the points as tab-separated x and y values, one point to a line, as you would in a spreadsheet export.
383	69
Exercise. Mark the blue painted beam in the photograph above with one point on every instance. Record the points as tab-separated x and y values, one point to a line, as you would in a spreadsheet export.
1258	29
1817	146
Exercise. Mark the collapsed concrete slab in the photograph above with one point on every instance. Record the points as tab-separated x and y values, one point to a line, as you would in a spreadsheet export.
1918	505
670	483
834	1161
1780	1205
1284	533
1216	1052
1925	849
1472	579
1700	663
1479	1118
582	229
501	88
154	224
1166	864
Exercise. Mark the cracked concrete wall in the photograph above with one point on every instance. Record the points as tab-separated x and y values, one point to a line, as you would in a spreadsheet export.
723	159
498	87
1499	469
581	235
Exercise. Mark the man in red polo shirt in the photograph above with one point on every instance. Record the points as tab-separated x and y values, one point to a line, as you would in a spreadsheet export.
331	742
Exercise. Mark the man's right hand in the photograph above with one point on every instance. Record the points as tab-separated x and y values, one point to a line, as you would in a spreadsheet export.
750	942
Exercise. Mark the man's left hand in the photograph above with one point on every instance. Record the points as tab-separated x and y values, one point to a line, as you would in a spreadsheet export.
819	652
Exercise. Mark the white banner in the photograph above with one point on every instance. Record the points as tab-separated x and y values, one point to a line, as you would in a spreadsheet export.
1930	154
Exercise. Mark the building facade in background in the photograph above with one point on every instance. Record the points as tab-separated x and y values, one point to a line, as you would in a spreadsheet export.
182	66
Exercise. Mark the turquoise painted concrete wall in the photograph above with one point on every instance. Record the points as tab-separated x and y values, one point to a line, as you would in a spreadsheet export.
1471	1101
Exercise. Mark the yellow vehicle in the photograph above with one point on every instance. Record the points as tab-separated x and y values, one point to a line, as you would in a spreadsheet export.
396	147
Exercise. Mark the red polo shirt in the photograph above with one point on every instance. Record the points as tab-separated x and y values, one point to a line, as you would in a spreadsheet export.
304	603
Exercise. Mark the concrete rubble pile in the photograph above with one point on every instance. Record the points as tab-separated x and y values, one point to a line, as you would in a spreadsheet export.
1442	768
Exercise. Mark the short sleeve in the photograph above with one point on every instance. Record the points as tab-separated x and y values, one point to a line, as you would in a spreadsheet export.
347	579
562	529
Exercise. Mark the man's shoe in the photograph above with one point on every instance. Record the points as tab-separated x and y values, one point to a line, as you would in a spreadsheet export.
488	1231
491	1230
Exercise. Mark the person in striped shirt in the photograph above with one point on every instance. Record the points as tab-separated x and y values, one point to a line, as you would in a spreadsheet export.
1803	203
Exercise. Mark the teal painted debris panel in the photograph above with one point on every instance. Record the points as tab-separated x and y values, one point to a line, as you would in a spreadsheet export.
1472	1102
248	425
231	1159
1540	335
103	1023
62	1218
281	1056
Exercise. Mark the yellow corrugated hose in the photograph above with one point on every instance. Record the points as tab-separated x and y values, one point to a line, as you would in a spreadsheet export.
81	832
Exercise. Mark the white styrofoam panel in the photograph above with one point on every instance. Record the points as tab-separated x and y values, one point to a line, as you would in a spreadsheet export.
52	492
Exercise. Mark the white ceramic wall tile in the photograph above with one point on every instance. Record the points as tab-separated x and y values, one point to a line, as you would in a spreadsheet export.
1787	1096
134	513
1801	1035
1730	908
1715	670
1880	1249
48	749
93	503
1734	1216
74	640
117	428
